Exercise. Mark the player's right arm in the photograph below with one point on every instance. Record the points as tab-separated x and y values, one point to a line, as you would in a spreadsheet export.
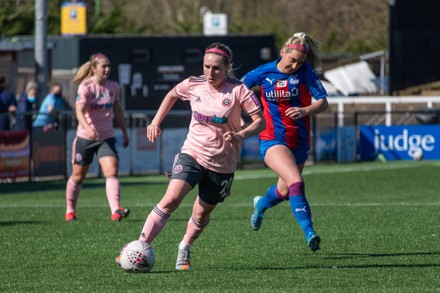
250	79
80	108
153	130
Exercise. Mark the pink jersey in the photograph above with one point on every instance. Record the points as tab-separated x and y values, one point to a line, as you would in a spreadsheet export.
214	112
99	100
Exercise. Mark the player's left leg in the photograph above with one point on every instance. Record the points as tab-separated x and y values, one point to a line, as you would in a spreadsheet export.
299	204
108	159
109	167
214	187
288	165
196	224
303	215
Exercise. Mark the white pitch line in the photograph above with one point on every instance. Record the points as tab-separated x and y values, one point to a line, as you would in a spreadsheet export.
307	171
239	205
330	170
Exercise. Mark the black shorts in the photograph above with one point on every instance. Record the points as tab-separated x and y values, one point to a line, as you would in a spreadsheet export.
214	187
84	150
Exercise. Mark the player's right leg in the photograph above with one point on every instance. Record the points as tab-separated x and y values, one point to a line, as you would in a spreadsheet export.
82	156
274	194
158	217
212	190
73	188
261	203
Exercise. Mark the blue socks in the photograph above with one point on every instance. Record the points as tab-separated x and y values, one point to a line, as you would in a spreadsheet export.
272	198
300	207
298	203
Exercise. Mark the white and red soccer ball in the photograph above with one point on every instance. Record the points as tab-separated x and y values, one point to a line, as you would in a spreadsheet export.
137	257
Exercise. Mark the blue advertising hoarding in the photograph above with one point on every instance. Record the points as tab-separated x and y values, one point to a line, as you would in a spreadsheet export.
399	142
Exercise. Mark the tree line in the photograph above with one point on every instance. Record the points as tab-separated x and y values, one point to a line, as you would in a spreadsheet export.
341	26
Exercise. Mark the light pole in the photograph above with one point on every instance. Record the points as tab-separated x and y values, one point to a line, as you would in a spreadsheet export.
40	48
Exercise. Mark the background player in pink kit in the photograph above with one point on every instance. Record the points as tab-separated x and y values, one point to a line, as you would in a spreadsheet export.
287	86
211	150
98	100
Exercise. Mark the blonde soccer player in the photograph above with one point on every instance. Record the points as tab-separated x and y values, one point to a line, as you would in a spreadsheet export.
210	153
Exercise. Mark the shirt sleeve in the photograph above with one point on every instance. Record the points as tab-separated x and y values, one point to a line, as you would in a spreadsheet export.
250	79
314	84
52	101
82	94
249	102
182	90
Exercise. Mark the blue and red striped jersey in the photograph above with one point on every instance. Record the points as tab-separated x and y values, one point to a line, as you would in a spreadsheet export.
280	91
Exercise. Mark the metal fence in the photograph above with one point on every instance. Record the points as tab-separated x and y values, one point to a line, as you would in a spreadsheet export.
47	152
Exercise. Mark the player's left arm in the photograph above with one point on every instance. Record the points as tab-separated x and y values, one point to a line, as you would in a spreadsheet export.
317	107
315	89
119	117
257	125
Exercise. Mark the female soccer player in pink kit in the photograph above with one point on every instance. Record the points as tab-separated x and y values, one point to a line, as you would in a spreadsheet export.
287	86
98	100
211	150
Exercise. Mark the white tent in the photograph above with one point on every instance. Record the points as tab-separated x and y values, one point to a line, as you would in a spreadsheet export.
330	89
352	79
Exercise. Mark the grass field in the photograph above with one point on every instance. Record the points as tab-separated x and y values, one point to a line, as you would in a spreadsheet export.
379	222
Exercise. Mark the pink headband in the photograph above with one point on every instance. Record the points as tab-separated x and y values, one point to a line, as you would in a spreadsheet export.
100	56
218	51
299	47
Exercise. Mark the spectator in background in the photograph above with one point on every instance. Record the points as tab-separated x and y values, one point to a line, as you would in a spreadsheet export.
26	104
50	108
8	105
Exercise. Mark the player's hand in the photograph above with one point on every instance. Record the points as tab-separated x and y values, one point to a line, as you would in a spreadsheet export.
232	137
92	134
126	142
153	131
12	108
295	113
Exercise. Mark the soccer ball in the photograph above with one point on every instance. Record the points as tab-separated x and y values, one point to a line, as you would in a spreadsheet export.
418	155
137	257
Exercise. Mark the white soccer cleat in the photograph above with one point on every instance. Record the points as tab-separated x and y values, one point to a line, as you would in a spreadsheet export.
183	262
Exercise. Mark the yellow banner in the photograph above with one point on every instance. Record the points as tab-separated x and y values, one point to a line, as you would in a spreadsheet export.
73	18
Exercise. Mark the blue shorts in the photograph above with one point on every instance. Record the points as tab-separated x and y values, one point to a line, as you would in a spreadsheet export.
301	154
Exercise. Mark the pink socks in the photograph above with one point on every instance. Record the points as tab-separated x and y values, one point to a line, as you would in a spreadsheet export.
112	190
154	224
72	194
193	230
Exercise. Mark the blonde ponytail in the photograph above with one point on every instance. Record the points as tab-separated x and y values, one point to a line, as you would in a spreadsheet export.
311	46
85	71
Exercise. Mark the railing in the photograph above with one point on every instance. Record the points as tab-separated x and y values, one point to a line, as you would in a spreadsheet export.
387	102
385	112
